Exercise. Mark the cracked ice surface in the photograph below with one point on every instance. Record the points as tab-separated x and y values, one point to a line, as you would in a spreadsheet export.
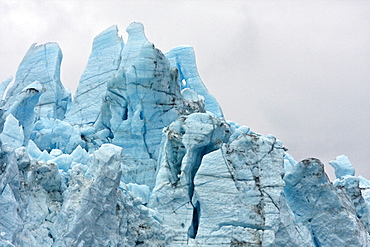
320	207
144	157
246	174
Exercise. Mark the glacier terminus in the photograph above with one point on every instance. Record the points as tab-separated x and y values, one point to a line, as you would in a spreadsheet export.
142	155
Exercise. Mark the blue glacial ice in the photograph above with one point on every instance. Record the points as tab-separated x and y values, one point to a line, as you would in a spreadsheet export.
143	156
322	207
103	64
41	63
342	167
183	58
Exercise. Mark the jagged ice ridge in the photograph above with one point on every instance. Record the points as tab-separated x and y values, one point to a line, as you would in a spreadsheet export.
143	156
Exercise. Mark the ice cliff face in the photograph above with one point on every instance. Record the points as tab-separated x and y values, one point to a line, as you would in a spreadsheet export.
143	156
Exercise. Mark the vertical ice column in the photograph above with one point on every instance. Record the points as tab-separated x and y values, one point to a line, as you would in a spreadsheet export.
183	58
184	144
103	64
42	63
140	100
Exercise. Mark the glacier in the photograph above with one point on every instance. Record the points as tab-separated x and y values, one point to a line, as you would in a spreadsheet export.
142	155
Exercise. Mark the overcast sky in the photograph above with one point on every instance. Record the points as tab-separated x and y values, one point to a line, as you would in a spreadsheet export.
297	70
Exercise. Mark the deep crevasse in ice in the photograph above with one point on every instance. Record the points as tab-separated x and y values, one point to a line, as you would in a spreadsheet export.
143	156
